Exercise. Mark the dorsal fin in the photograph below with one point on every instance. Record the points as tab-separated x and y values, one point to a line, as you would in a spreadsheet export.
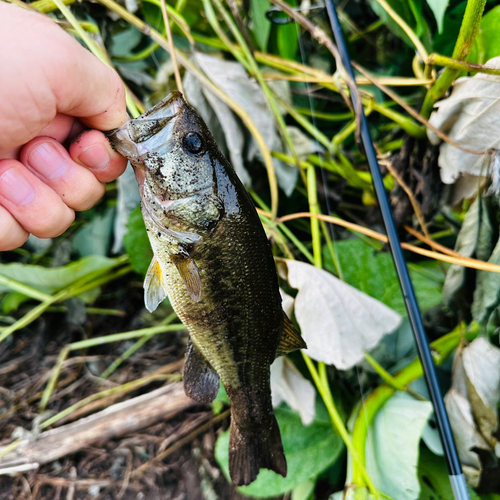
154	290
290	338
190	275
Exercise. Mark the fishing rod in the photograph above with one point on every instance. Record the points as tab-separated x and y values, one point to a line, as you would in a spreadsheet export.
456	475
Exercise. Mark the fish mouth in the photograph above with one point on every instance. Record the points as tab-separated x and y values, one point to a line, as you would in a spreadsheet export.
148	132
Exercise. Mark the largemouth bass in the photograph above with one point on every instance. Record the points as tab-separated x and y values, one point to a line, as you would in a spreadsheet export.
213	260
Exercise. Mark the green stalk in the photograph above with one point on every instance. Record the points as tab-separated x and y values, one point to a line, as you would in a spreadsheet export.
85	344
135	347
441	349
254	68
467	35
439	60
73	290
323	386
312	196
24	289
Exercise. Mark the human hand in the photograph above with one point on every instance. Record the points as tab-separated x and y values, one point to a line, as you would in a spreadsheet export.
51	88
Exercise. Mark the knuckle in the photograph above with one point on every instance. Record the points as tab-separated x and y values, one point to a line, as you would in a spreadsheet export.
54	224
87	198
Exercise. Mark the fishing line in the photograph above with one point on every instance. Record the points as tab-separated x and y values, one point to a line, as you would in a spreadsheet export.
456	476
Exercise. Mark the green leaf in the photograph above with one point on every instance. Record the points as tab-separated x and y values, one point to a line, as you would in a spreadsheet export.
288	37
372	272
261	25
438	8
137	244
444	42
308	450
125	41
53	279
392	448
94	238
304	491
488	39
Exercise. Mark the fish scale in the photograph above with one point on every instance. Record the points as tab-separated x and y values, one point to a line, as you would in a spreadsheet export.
213	260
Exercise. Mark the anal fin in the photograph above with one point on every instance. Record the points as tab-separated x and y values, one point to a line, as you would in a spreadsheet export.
190	275
154	290
201	381
290	338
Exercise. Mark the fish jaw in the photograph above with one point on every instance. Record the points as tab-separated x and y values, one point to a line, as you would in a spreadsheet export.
150	132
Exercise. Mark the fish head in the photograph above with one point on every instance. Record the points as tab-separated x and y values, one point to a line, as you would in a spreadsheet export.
171	148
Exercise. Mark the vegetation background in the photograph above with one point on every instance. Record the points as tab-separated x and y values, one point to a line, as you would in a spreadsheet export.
353	409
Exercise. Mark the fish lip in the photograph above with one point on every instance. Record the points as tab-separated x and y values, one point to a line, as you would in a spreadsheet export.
125	139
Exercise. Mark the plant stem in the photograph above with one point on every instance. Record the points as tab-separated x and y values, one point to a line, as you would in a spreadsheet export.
467	35
440	60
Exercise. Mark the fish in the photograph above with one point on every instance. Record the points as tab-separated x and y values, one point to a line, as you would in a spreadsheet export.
213	260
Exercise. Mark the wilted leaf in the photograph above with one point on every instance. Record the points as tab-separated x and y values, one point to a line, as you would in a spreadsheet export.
474	238
137	244
392	448
372	271
462	422
127	200
304	145
487	291
232	78
471	117
338	322
481	361
289	386
309	451
53	279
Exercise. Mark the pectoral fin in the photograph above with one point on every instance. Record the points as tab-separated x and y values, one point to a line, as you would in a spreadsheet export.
154	290
290	338
190	275
201	381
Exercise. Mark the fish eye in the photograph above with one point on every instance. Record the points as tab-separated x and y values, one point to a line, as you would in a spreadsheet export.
192	142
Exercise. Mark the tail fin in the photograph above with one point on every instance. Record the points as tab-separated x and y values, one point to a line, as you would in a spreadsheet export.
253	449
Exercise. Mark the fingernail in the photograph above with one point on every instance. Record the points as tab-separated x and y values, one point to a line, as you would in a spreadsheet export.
48	161
16	188
95	156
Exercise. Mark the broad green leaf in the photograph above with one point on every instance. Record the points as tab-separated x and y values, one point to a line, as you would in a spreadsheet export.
338	322
137	244
53	279
94	238
261	25
372	272
304	491
125	41
444	42
488	39
308	450
438	8
393	444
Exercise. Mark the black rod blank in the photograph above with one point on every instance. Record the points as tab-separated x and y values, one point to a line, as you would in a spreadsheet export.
457	477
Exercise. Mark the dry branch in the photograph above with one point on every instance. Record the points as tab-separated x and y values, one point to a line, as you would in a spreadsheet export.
115	421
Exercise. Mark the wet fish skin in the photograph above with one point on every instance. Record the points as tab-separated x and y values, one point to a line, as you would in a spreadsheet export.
214	261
